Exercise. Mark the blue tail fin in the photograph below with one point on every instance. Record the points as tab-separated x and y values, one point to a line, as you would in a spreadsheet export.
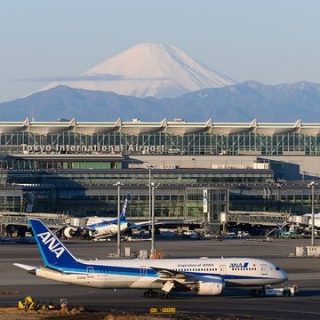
124	209
54	254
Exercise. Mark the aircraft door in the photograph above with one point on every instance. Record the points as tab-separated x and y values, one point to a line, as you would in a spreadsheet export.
264	269
222	269
90	272
143	271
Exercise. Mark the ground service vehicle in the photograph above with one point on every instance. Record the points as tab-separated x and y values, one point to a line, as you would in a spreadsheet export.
269	291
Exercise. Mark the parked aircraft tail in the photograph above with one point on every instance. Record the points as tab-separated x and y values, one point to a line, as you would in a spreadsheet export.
124	209
54	254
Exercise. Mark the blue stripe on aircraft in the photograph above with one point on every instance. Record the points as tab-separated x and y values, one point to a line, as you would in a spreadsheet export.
147	272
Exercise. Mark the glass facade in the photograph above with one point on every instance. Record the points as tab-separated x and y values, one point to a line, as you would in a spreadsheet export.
171	203
71	167
173	177
206	204
201	143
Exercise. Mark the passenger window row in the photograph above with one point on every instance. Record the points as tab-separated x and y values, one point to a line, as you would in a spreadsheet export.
196	269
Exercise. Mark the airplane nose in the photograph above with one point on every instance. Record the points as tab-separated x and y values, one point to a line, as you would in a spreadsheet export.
284	276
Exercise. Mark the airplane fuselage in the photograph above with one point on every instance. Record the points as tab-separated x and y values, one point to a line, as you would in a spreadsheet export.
143	273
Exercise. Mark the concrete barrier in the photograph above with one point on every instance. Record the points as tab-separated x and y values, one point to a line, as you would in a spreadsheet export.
313	251
127	252
300	251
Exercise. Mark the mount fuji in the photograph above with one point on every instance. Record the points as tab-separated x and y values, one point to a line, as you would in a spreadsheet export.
147	69
155	81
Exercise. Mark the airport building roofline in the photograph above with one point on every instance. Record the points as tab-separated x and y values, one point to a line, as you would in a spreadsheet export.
175	127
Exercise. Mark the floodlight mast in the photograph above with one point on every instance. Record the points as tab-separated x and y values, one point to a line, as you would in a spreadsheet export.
118	185
312	184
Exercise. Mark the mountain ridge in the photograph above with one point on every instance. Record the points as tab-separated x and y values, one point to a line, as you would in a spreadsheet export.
241	102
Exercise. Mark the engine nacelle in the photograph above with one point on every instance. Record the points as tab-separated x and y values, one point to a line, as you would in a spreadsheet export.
69	232
210	287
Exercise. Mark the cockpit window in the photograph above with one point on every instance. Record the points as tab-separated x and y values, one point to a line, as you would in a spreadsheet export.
277	268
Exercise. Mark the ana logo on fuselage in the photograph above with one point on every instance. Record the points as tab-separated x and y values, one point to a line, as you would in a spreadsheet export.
239	265
52	243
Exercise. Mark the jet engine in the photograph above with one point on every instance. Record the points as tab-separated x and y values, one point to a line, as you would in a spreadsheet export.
210	286
69	232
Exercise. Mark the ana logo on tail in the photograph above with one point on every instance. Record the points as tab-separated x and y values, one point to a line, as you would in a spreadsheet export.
53	244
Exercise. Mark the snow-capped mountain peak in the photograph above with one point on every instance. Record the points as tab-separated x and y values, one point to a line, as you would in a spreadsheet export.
148	69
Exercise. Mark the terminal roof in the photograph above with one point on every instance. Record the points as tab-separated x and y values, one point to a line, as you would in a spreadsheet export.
175	127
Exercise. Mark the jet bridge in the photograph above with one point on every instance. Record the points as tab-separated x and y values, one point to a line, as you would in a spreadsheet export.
52	220
261	218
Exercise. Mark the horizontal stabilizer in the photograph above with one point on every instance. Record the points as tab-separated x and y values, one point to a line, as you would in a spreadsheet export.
25	266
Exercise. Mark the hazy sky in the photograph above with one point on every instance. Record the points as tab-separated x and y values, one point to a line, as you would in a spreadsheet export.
271	41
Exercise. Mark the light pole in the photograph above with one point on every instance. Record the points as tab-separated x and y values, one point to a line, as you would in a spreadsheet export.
118	185
312	184
150	167
153	187
224	230
279	186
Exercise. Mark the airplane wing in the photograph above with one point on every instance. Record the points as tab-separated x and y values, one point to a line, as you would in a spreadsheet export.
102	237
142	224
171	279
89	228
138	225
169	274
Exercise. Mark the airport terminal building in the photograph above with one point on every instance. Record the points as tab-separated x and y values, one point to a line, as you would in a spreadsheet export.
71	167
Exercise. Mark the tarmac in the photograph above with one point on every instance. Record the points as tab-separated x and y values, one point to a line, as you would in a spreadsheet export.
305	272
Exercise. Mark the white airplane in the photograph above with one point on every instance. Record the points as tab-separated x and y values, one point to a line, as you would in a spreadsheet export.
99	228
204	276
102	227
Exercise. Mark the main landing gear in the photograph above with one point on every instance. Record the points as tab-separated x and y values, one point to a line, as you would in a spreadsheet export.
154	294
165	295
